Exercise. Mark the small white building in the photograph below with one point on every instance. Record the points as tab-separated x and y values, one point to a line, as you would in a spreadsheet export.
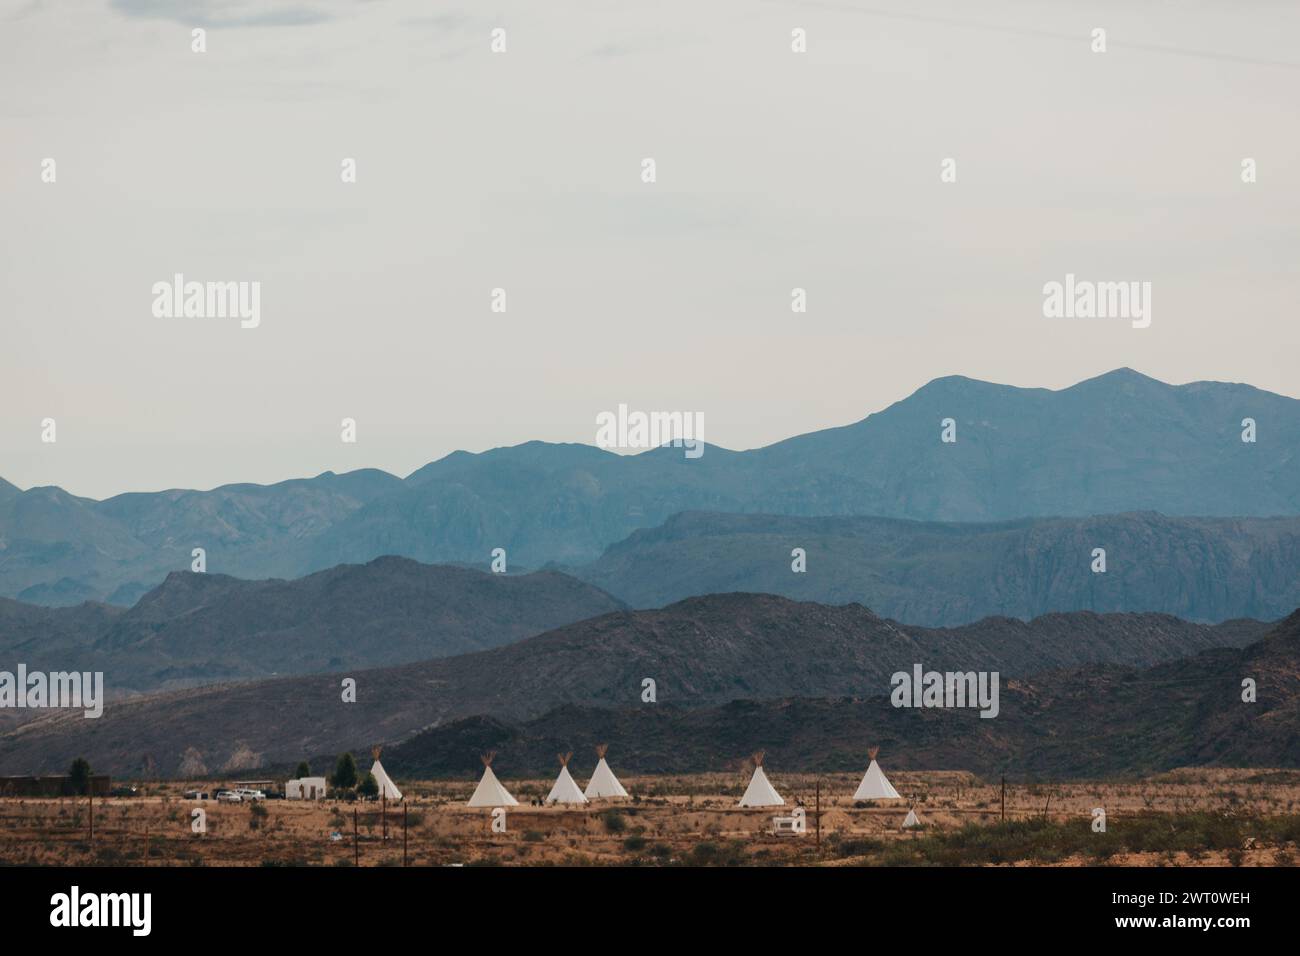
305	788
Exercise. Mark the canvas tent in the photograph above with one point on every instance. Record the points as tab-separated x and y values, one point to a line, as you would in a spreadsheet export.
489	792
603	783
911	820
760	792
875	785
566	788
387	789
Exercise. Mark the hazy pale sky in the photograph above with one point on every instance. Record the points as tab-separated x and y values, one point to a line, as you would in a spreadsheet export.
522	170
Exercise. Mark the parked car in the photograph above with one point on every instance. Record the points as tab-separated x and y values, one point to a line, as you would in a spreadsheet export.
250	795
229	796
123	792
196	795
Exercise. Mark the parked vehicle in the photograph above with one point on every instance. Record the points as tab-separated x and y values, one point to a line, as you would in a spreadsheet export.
196	795
250	795
123	791
229	796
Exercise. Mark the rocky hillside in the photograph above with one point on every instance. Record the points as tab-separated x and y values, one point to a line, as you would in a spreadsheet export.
1103	720
700	653
201	628
41	636
944	573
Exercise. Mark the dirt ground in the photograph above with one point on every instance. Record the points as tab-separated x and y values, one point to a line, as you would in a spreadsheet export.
671	820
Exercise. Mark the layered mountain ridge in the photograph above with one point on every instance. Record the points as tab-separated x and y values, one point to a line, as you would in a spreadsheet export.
1118	443
700	653
200	628
950	573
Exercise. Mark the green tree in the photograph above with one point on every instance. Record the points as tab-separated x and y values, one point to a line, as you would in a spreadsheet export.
345	773
303	770
79	776
369	786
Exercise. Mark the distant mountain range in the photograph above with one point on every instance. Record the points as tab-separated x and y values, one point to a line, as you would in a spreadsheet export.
1099	721
701	653
944	574
201	628
58	549
1118	443
196	629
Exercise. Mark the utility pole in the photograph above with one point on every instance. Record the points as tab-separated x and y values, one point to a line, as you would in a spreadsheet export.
404	808
90	791
1004	798
383	798
356	846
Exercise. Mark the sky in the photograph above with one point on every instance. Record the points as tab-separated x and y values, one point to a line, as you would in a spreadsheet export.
522	171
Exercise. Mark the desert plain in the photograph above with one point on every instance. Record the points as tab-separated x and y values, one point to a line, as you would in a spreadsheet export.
1193	817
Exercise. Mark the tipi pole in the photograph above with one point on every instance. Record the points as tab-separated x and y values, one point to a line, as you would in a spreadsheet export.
384	811
1004	798
356	845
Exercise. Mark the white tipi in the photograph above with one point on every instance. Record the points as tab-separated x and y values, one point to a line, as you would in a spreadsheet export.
603	783
566	788
489	792
760	792
387	789
875	785
911	820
